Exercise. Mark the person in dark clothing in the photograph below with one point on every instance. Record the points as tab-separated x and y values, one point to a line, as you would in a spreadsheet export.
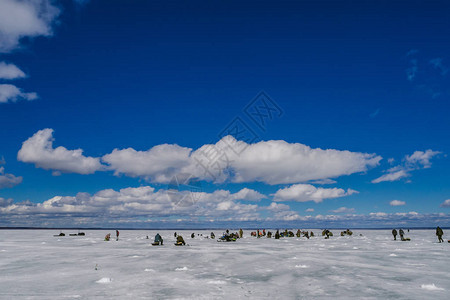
439	233
402	233
193	235
180	240
175	234
213	236
117	235
277	235
158	239
394	233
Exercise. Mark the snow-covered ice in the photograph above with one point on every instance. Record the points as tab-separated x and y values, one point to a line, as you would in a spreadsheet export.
36	265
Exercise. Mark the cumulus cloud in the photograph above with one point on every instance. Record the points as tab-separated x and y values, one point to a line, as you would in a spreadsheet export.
421	158
158	164
310	210
249	195
343	209
20	19
137	202
8	180
446	203
10	71
271	162
5	202
416	161
11	93
282	212
276	162
39	150
397	203
143	206
307	192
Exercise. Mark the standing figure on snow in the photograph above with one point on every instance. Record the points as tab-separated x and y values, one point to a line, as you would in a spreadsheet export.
394	233
439	233
117	235
402	233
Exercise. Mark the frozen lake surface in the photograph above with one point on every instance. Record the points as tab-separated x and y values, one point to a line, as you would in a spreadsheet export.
36	265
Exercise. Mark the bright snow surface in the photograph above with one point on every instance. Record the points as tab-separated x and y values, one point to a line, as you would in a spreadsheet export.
36	265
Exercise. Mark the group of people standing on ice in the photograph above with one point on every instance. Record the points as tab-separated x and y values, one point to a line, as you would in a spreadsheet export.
227	236
439	234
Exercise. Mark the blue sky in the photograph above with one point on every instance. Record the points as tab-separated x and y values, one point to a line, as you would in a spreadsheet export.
359	95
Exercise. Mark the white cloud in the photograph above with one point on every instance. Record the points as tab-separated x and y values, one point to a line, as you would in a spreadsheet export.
272	162
344	210
19	19
137	202
378	214
307	192
324	181
11	93
310	210
249	195
421	158
158	164
10	71
397	203
417	160
394	176
8	180
282	212
39	150
446	203
5	202
141	206
276	162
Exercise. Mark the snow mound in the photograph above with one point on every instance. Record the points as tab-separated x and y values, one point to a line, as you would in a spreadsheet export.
392	254
104	280
431	287
181	269
149	270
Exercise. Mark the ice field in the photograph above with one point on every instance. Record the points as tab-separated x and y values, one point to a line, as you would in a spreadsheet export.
36	265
